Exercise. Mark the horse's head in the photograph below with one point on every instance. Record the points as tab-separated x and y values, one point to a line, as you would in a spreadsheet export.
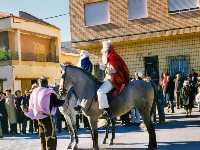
64	81
66	89
83	83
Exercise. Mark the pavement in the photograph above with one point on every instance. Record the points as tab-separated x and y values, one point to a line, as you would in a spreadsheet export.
178	133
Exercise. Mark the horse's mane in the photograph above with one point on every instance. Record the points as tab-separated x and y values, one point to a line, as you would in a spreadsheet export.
84	72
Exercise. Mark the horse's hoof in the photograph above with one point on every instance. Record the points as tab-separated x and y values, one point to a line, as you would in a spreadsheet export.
96	148
104	142
152	146
75	147
111	143
69	147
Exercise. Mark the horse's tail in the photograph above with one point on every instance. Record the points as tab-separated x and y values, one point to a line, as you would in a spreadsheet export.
153	108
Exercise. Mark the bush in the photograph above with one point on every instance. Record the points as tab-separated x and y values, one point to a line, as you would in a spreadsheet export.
4	55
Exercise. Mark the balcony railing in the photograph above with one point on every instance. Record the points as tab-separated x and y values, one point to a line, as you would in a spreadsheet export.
39	57
13	55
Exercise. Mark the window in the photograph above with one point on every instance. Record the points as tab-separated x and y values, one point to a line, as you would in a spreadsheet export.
182	5
97	13
137	9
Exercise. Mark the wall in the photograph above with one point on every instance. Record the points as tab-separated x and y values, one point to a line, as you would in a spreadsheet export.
159	20
34	48
32	70
6	73
73	58
134	52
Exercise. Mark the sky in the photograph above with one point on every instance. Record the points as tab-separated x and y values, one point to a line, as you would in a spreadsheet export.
42	9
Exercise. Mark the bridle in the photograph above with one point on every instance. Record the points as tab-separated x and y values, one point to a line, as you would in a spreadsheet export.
62	90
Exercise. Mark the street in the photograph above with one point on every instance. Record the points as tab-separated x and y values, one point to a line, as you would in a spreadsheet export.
178	133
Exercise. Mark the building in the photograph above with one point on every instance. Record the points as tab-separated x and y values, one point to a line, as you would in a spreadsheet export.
29	48
152	36
69	54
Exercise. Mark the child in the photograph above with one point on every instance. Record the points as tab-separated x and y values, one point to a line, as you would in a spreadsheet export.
198	99
187	102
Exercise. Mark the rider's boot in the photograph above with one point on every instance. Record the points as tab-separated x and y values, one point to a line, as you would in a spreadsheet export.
107	113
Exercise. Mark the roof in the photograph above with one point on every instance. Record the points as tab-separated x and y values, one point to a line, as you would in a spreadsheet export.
4	14
28	17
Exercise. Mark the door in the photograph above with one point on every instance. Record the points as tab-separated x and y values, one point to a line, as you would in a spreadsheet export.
178	64
25	84
152	68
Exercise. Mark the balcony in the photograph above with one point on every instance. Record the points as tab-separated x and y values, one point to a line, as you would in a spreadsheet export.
39	57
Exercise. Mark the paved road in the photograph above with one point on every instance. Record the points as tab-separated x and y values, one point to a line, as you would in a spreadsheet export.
179	133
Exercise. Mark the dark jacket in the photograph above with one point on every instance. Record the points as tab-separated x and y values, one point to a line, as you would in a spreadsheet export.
86	64
178	85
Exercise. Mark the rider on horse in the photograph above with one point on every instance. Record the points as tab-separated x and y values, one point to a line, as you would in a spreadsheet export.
117	76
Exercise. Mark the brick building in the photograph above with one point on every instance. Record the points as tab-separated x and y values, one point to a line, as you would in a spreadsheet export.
29	48
151	35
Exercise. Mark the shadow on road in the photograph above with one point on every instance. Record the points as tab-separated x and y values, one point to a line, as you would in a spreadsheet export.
182	145
116	149
179	124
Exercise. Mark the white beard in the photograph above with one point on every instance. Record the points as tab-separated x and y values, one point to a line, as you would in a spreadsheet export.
104	58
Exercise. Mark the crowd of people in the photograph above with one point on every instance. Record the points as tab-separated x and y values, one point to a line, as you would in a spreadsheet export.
13	121
170	93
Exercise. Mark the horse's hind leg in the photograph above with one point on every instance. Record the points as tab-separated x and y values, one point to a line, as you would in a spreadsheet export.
151	130
94	132
113	131
106	135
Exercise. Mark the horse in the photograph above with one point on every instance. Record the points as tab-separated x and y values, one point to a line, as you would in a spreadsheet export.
69	113
137	93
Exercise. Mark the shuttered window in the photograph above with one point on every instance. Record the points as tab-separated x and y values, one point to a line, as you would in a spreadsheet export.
97	13
180	5
137	9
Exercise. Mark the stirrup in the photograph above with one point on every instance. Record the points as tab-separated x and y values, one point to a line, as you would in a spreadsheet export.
107	113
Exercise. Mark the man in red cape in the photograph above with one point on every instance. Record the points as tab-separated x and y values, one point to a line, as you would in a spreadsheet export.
117	75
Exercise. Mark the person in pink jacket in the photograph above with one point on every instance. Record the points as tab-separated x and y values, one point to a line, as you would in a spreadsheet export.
42	106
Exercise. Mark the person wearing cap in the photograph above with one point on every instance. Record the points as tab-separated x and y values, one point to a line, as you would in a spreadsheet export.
85	62
42	106
117	75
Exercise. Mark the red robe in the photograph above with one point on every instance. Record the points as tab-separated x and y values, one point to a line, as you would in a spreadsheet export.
121	77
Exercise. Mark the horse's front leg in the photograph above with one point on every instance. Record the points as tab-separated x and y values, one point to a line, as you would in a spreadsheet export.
94	132
74	128
113	131
71	137
72	131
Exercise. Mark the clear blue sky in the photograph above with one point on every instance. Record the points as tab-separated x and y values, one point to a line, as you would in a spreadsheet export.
42	9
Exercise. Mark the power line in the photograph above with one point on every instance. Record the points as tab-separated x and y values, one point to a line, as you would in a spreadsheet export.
38	19
60	15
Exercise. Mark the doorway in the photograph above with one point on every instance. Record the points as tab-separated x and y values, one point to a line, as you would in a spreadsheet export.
178	64
152	68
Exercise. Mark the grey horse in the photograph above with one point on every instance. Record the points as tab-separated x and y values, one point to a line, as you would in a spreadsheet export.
138	93
69	113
